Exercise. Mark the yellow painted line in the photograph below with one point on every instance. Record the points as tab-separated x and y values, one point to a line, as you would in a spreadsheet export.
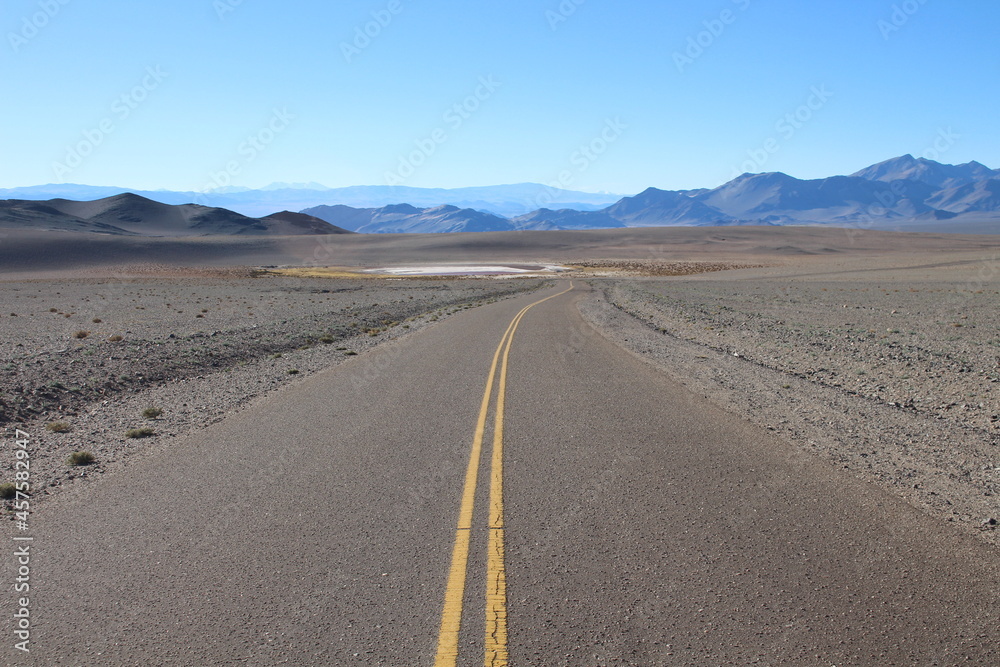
496	608
496	576
451	617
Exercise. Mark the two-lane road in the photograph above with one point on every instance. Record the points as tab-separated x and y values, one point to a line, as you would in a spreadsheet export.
613	519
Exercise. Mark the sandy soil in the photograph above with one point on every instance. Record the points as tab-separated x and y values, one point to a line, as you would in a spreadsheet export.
195	346
888	368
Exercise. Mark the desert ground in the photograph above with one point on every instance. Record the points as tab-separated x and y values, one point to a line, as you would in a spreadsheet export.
95	352
890	372
803	423
877	352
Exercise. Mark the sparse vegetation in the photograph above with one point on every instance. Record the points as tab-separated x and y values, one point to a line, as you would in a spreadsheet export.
81	334
96	320
144	432
152	412
57	427
8	491
293	371
81	459
116	339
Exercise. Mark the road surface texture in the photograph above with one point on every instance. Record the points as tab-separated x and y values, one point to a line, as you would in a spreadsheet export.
638	525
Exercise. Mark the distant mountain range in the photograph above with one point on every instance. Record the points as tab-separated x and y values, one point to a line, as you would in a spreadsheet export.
501	200
404	218
904	193
132	215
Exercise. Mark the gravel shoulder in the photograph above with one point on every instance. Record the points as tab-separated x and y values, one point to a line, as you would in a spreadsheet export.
195	346
890	372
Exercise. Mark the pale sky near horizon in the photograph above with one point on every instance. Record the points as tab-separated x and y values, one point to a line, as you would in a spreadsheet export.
584	94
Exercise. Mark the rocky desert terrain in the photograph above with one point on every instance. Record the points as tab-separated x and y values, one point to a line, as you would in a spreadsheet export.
891	370
88	362
878	352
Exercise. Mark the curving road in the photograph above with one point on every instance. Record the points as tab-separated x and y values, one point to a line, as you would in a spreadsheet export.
624	521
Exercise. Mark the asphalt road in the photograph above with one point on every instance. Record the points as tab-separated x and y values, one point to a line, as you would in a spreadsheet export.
639	525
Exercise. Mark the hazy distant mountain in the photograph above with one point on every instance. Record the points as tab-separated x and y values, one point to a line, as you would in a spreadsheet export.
565	218
131	214
346	217
312	185
901	193
501	200
404	218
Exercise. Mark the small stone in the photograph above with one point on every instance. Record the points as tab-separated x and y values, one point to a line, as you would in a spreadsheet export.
989	522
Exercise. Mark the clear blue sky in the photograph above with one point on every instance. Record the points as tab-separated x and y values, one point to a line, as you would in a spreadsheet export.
199	77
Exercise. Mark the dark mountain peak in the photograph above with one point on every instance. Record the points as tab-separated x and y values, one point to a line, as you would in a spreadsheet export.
131	196
289	216
136	215
290	222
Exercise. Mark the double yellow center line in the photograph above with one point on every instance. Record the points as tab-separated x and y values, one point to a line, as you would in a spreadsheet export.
496	581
